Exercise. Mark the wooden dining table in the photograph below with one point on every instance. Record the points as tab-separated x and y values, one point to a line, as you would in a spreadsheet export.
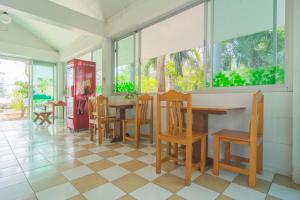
121	108
200	123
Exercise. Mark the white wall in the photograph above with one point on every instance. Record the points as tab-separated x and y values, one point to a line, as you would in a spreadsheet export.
296	95
18	42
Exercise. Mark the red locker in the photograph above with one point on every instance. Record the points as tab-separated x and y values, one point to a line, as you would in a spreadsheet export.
81	83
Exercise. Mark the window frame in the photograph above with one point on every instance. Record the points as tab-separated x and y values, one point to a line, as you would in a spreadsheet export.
208	49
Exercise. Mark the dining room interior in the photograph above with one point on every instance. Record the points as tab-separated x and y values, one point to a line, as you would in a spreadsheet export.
139	99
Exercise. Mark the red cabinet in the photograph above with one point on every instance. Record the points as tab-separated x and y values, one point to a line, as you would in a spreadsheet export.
81	83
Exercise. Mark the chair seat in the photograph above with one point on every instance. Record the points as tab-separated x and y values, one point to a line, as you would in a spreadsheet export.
182	139
233	135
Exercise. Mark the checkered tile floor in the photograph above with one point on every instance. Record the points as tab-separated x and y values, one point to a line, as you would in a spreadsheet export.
51	163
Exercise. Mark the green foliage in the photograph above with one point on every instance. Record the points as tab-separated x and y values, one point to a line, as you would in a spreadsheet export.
148	84
99	89
18	95
43	85
124	87
249	77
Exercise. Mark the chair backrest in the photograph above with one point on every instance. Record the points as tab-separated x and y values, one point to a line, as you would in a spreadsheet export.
175	104
257	116
144	103
102	107
91	106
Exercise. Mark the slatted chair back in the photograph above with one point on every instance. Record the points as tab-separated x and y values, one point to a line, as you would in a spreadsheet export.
102	107
257	115
144	108
174	104
91	107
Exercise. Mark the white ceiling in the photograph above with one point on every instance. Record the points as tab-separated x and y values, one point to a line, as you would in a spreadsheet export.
99	9
54	36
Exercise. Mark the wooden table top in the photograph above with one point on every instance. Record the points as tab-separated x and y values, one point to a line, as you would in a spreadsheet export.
121	104
214	110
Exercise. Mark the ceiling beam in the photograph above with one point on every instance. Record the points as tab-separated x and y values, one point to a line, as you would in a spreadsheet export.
55	14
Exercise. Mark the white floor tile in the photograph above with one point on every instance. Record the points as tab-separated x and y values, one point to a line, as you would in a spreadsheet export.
106	191
75	149
266	175
283	192
236	191
90	159
99	149
59	192
119	159
149	173
124	149
148	150
84	143
17	191
113	173
195	191
12	180
77	172
151	191
229	176
180	172
148	159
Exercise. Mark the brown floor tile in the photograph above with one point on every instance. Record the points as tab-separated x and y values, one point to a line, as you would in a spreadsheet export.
170	182
108	154
100	165
168	166
47	182
175	197
93	145
130	182
212	182
261	185
133	165
126	197
81	153
78	197
114	146
269	197
89	182
223	197
135	154
62	166
286	181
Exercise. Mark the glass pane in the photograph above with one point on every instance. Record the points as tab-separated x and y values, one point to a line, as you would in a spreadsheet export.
178	50
125	65
43	84
244	49
97	57
14	87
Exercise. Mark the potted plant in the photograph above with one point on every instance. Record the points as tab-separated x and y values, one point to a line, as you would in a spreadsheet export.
131	96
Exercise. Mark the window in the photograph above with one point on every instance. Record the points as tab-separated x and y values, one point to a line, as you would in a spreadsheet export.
97	58
172	53
245	47
124	61
249	43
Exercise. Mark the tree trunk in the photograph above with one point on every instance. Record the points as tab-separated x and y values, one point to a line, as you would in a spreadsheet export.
161	74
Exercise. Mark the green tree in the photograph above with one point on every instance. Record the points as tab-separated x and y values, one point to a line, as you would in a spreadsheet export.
18	96
43	85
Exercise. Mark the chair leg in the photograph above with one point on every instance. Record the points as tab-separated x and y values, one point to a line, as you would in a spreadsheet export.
106	128
203	154
99	133
115	129
124	131
151	133
158	156
260	158
91	132
188	164
175	149
227	152
136	135
216	155
252	165
168	149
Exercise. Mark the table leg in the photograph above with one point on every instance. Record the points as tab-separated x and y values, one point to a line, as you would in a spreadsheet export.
200	123
53	113
121	115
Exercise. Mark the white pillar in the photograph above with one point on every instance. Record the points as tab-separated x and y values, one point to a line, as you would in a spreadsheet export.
60	86
107	67
296	89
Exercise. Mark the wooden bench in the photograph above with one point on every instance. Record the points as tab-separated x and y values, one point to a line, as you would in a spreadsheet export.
43	116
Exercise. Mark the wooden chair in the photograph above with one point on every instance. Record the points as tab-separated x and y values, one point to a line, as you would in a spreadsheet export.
253	139
144	103
99	118
175	133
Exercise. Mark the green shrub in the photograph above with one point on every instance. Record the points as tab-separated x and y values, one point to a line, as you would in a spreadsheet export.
124	87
